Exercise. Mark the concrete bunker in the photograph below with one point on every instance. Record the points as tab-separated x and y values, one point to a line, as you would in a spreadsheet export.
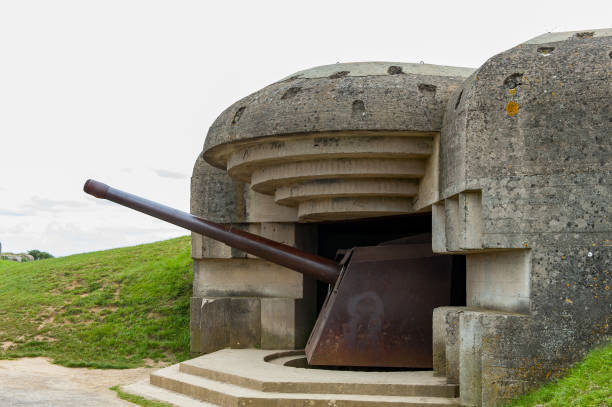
295	165
511	161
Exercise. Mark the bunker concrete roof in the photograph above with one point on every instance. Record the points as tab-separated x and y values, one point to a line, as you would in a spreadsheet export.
362	96
569	35
378	68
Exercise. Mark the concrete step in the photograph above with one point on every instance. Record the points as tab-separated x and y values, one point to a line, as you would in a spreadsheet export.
259	370
151	392
231	395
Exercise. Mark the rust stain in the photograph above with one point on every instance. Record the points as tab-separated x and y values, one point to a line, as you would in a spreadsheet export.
512	108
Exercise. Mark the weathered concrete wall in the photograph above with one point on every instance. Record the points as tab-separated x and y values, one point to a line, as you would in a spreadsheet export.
239	300
527	139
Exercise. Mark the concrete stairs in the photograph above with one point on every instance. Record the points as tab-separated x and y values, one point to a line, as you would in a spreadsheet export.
254	378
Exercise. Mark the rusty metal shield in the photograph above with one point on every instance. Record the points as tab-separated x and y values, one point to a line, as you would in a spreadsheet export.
379	312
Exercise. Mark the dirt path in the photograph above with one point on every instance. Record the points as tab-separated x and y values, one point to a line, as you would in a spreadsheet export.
36	382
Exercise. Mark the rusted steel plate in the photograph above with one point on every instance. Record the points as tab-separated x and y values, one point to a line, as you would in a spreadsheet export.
379	313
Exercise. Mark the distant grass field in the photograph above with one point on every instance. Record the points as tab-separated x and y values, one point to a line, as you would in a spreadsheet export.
117	308
6	263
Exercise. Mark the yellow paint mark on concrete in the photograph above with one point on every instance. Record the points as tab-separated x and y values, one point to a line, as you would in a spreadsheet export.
552	93
526	244
512	108
562	257
568	284
607	288
569	301
512	91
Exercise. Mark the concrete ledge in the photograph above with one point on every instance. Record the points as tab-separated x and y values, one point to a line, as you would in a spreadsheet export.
230	395
155	393
325	146
245	278
346	188
353	208
267	179
248	368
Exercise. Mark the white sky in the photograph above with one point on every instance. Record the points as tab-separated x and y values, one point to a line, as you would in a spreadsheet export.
124	91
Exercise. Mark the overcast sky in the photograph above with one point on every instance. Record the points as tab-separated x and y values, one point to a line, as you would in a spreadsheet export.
124	91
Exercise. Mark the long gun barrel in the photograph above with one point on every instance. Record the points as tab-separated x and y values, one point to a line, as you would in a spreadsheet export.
316	266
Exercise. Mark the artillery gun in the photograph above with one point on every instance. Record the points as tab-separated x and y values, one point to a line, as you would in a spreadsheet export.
378	311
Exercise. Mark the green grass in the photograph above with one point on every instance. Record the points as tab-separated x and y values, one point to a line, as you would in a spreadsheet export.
588	384
6	263
141	401
117	308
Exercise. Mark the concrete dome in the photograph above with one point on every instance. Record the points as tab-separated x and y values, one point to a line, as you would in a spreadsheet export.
351	96
339	141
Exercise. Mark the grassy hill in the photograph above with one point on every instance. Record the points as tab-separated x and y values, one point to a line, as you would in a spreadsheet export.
117	308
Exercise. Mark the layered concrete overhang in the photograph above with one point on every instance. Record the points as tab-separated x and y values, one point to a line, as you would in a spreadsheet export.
340	141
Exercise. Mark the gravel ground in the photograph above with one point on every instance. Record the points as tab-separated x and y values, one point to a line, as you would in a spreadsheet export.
37	382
